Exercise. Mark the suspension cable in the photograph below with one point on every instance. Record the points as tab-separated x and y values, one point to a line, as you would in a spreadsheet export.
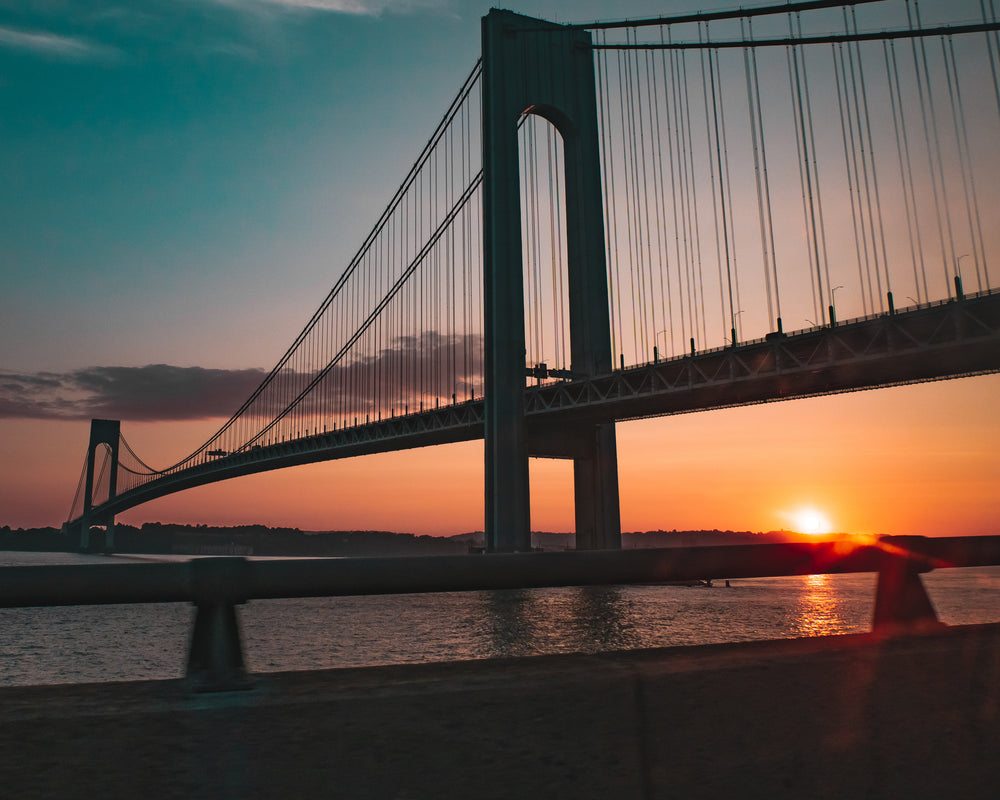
79	490
751	100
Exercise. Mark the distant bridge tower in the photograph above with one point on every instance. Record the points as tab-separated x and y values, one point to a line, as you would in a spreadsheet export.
102	432
536	67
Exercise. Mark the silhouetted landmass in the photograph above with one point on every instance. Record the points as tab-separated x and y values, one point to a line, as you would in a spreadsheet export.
244	540
33	539
156	538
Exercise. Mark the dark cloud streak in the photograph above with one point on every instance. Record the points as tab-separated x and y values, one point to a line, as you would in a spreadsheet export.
157	392
414	369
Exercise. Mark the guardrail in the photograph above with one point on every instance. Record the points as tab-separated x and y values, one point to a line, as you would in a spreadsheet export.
217	585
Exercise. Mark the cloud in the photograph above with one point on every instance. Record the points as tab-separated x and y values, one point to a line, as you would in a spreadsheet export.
414	369
153	392
368	8
51	45
426	368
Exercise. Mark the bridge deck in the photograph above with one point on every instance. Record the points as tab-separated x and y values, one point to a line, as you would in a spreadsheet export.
944	340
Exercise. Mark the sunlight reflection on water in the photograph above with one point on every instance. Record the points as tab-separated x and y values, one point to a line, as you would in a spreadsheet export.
820	608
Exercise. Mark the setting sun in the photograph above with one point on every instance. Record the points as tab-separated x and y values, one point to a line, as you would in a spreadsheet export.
811	521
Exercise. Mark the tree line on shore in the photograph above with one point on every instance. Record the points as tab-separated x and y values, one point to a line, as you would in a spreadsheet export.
260	540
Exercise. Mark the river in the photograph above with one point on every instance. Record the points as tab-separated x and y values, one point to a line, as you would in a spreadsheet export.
130	642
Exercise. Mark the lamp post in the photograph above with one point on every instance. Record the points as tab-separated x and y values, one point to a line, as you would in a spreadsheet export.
959	293
656	352
733	330
833	305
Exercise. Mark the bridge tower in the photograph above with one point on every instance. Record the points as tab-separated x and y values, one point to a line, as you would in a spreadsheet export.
535	67
102	432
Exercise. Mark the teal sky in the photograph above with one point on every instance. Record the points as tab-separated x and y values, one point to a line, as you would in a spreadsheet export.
184	181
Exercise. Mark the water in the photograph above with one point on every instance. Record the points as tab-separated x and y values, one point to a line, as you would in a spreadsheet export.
129	642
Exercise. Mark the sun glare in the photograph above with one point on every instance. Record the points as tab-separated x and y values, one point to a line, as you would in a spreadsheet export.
811	521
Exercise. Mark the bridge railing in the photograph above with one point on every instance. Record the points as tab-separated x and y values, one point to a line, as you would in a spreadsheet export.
838	323
217	585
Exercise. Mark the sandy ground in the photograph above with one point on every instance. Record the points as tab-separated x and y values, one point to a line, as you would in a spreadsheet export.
838	717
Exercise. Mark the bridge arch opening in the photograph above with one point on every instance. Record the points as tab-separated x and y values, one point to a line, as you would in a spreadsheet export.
545	271
543	247
101	487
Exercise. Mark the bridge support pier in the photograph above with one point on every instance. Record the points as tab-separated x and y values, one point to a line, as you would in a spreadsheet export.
595	492
535	67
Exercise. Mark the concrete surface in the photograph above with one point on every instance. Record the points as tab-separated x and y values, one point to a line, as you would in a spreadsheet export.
838	717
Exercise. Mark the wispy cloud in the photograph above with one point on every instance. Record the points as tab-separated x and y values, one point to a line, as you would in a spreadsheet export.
371	8
52	45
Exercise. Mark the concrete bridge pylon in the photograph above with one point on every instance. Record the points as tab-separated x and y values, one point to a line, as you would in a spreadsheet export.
535	67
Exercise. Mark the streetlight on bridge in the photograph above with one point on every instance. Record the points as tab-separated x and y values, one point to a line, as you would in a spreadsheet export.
833	305
959	293
656	352
733	330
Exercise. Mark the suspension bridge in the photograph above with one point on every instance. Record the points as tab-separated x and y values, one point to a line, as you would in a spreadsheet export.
630	219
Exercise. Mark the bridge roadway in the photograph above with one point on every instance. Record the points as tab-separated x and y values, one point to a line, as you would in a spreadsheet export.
948	339
831	717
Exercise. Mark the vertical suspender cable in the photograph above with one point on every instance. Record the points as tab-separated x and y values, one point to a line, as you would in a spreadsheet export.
751	99
712	135
78	493
639	187
847	135
732	261
805	179
666	311
537	227
650	226
767	185
678	187
905	169
607	176
858	166
531	263
553	277
816	194
697	273
626	119
968	174
992	43
559	155
874	175
933	144
632	196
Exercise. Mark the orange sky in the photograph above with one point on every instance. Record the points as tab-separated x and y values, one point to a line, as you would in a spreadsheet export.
909	460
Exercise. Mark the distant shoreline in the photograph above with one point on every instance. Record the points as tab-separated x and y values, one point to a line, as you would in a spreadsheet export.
260	540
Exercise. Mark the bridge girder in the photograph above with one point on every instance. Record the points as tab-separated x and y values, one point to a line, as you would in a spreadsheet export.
948	340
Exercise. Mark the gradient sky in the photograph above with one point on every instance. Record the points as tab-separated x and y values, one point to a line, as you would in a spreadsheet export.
182	182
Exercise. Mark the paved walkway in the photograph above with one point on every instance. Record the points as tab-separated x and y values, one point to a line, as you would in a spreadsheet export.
837	717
